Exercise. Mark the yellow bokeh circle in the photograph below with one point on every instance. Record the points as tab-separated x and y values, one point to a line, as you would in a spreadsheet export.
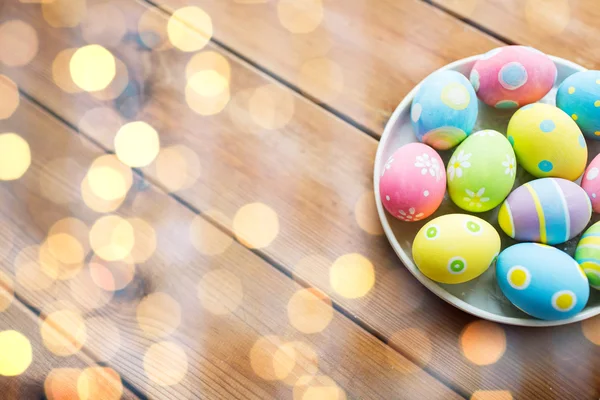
92	67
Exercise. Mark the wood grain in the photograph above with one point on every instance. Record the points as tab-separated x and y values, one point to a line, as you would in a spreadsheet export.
35	381
215	331
312	172
562	28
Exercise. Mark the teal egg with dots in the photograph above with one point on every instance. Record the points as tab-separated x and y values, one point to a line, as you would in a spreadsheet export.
579	97
444	110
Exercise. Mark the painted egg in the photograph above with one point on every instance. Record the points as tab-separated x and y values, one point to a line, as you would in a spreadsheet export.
413	182
542	281
579	97
591	183
455	248
444	110
548	210
547	142
481	172
587	254
513	76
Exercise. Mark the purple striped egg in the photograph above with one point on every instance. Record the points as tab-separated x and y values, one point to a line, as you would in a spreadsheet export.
547	210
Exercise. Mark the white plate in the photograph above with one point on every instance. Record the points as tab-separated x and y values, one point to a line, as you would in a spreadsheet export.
482	296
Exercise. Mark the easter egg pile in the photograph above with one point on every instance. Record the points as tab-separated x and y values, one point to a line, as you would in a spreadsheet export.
547	142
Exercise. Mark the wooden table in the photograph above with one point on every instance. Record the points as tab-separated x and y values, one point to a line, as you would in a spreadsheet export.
245	258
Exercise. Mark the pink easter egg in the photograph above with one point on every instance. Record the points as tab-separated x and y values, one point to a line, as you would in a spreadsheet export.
591	183
413	182
513	76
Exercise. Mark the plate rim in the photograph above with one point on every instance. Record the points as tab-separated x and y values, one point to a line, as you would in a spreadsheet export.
408	263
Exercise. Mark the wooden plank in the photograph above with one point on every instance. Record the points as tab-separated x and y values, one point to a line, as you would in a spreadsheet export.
28	370
559	27
338	51
221	324
314	172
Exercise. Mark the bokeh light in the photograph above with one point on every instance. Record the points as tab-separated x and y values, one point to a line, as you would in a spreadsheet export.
165	363
208	239
305	357
256	225
86	294
28	273
109	179
68	240
352	276
63	332
491	395
112	275
152	29
9	97
104	24
16	354
6	291
92	67
99	383
158	315
103	338
591	329
15	156
209	61
118	84
309	310
61	384
208	83
177	167
189	28
95	202
300	16
413	343
547	17
365	212
271	106
318	387
18	43
54	268
199	102
64	13
322	78
61	74
220	292
483	342
263	361
137	144
101	123
112	238
144	240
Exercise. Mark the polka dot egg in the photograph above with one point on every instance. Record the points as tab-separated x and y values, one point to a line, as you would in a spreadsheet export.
588	254
412	182
547	142
444	110
455	248
548	210
579	97
591	183
542	281
513	76
482	171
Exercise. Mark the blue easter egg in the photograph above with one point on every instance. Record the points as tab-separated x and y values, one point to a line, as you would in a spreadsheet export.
579	97
444	110
542	281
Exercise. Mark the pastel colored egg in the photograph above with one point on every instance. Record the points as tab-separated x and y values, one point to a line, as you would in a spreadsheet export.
591	183
547	142
513	76
542	281
587	254
579	97
481	172
548	210
413	182
444	110
455	248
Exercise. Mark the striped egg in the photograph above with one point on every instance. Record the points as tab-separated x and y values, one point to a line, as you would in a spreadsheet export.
547	210
542	281
587	254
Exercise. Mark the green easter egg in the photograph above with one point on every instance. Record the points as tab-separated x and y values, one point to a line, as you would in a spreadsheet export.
481	172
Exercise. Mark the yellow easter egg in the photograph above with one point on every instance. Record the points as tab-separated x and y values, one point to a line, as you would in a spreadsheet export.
455	248
547	142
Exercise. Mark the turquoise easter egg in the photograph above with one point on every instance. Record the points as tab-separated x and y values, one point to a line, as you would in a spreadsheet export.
444	110
579	97
542	281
